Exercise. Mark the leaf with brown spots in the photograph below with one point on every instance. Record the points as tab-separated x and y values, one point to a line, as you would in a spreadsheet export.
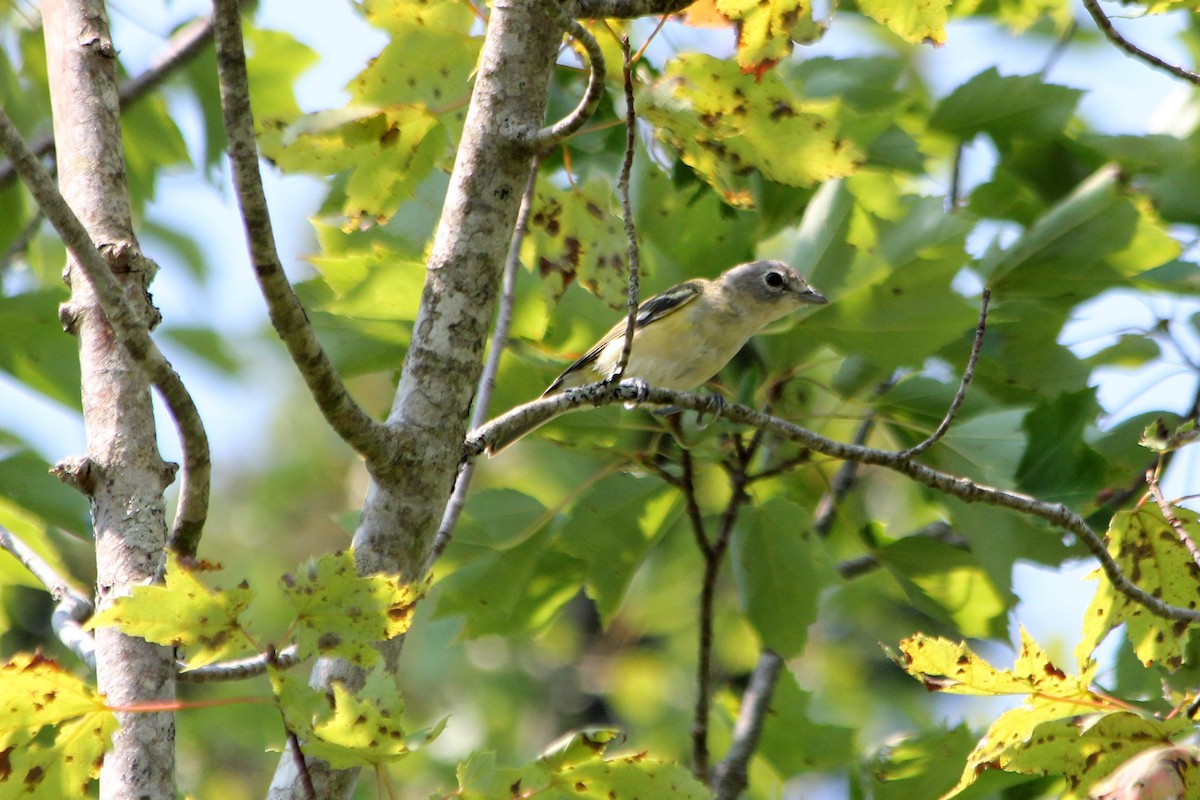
341	614
350	729
184	613
54	730
767	28
727	125
576	234
1149	552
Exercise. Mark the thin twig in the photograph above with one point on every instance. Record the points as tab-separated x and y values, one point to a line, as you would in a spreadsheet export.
1170	516
714	557
182	47
631	244
73	607
967	376
240	669
1105	25
487	380
548	137
730	775
131	331
368	437
598	394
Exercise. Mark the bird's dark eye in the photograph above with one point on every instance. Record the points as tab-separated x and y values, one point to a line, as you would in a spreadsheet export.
774	280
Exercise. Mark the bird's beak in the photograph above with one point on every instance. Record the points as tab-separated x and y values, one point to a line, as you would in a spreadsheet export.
811	295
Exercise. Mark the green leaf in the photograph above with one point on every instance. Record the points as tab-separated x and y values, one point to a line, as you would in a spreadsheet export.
183	613
54	730
724	123
792	742
152	142
897	308
1005	107
36	351
780	567
1091	241
26	482
1129	351
340	613
1148	551
577	234
948	583
1057	464
611	528
688	225
498	519
274	62
521	588
208	345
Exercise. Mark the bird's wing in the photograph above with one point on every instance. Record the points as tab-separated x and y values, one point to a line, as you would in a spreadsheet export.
656	307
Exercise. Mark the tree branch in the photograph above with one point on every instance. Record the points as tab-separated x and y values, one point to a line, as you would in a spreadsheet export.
540	411
240	669
548	137
406	497
487	380
1105	25
730	776
627	9
368	437
130	329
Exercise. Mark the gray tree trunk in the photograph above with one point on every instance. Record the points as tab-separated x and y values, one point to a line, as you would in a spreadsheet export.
126	474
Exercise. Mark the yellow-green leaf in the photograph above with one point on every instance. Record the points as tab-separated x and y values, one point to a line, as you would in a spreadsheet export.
766	29
54	730
1081	748
1149	552
340	613
918	21
183	613
952	667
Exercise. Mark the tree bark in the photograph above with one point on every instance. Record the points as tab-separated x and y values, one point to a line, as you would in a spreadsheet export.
432	405
127	475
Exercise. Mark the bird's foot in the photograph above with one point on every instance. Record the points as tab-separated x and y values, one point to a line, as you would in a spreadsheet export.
641	392
716	407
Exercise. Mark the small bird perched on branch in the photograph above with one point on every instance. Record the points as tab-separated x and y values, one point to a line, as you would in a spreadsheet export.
684	336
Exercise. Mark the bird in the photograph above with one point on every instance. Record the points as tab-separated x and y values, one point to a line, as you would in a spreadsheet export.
685	335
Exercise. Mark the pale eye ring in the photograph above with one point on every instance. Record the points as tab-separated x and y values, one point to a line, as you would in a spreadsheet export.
774	280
